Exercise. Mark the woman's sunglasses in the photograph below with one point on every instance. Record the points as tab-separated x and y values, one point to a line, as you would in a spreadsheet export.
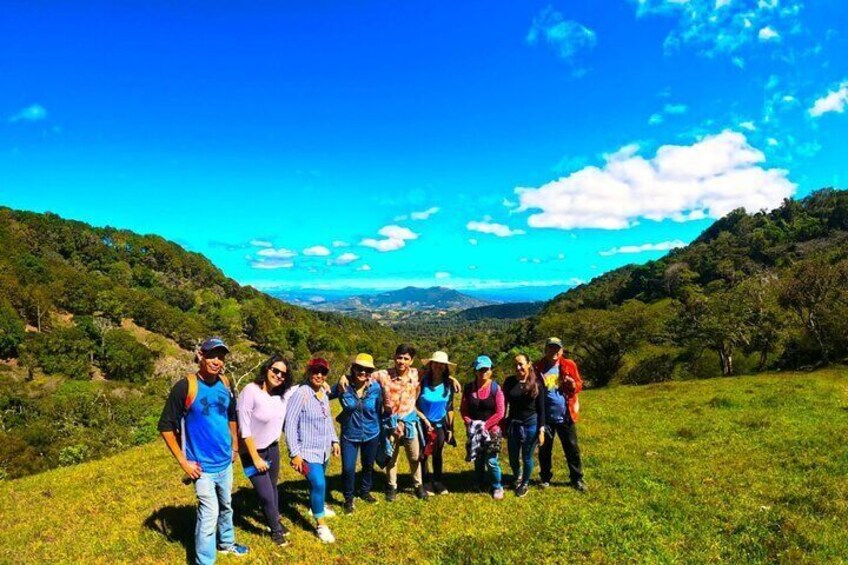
279	372
321	371
360	369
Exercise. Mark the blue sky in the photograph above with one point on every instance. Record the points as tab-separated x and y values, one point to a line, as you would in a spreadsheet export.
378	144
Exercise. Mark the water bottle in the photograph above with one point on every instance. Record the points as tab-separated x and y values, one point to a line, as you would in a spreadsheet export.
252	470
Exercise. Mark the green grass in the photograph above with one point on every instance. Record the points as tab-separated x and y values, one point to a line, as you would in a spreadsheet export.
739	470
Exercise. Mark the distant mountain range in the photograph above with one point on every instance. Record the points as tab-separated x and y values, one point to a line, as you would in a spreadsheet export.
411	298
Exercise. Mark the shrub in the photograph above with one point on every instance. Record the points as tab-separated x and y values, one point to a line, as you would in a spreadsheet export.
11	331
125	359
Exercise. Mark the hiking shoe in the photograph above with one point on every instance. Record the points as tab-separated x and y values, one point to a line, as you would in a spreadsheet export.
521	490
279	538
391	494
498	494
284	529
369	498
579	485
439	488
420	492
235	549
324	534
544	484
348	506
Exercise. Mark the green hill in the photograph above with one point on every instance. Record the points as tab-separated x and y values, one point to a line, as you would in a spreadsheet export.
95	323
736	470
767	290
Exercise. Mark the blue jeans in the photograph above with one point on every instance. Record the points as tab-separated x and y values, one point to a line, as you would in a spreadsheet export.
521	442
214	514
488	467
317	488
367	451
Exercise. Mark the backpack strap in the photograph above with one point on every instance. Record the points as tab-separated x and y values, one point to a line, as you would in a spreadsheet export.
192	391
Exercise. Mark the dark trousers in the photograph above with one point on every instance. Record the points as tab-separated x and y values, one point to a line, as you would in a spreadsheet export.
438	451
367	451
567	433
266	484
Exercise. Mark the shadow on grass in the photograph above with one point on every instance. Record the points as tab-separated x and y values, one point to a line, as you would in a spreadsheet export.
175	524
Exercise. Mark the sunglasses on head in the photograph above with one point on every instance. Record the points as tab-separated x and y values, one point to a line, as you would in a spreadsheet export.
319	371
361	369
279	372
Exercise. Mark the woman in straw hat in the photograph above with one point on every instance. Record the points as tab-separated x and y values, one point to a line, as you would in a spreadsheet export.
435	408
362	405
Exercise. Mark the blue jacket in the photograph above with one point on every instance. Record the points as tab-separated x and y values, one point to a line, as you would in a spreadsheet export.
360	417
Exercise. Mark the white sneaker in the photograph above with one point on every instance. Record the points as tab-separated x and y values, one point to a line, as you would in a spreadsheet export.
325	535
439	488
328	512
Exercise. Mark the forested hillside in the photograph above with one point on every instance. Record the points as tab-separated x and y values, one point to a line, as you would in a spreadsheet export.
96	323
754	291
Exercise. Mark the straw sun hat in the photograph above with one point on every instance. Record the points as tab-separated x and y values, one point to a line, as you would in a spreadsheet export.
439	357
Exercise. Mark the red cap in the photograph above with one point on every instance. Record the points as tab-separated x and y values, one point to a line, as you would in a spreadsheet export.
318	362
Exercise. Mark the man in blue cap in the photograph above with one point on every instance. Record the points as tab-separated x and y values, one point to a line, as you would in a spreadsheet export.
201	408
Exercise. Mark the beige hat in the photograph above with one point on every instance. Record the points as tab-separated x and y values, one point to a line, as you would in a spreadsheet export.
439	357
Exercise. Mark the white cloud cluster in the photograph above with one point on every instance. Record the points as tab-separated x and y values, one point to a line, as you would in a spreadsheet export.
395	237
492	228
670	110
662	246
339	243
316	251
833	101
270	257
261	243
567	37
276	253
33	113
681	182
723	26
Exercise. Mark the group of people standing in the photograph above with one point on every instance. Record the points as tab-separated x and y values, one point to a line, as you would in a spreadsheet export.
383	412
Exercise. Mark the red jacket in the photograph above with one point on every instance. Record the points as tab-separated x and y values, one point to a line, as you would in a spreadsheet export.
567	367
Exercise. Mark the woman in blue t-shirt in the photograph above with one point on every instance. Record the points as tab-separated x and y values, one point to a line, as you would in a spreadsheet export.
435	409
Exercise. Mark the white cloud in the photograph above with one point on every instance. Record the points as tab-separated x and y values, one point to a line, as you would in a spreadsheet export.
473	241
271	264
675	108
442	275
662	246
338	243
316	251
772	142
347	258
681	182
833	101
33	113
507	203
768	34
365	267
261	243
280	253
655	119
472	267
499	230
749	125
722	27
395	238
425	214
567	37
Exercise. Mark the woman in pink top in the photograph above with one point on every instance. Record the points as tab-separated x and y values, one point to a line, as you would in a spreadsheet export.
482	410
261	412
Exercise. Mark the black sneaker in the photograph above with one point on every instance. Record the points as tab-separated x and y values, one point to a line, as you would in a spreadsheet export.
369	498
348	506
284	529
420	492
521	490
544	484
579	485
391	494
279	538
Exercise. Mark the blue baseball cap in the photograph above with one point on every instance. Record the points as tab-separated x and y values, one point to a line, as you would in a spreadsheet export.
213	343
482	362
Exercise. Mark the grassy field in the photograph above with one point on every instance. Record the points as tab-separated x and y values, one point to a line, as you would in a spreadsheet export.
740	470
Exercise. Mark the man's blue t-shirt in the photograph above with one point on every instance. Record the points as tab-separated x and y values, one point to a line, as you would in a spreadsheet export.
556	405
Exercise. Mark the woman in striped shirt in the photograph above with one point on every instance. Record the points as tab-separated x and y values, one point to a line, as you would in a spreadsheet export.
311	438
